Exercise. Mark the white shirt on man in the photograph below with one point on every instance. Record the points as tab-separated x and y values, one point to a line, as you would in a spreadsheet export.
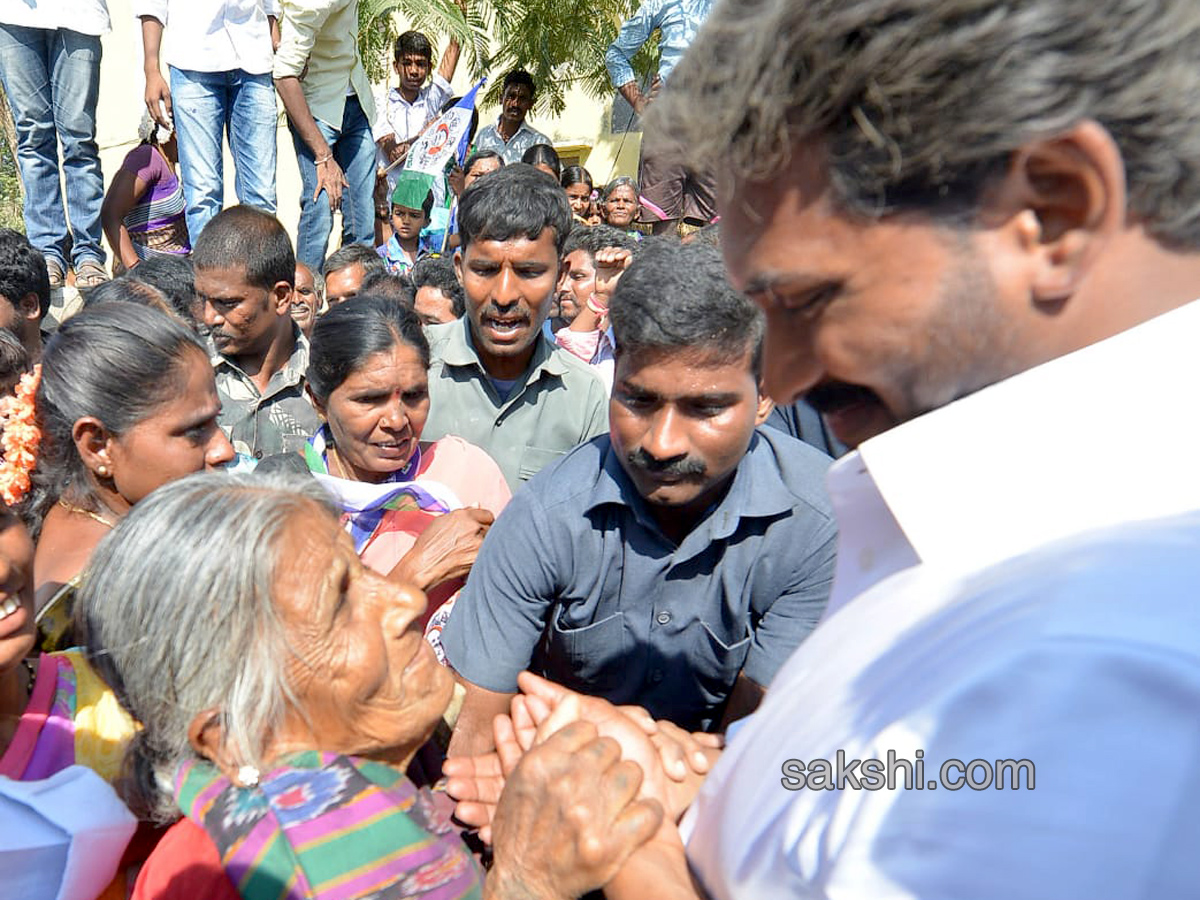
82	16
214	35
1029	593
405	120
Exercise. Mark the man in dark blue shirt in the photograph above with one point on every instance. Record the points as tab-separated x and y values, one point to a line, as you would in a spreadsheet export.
674	563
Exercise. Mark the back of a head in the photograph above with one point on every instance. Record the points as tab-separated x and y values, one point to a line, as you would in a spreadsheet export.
117	362
920	103
174	276
438	272
245	237
516	201
352	332
592	238
543	155
676	298
179	617
383	283
22	270
128	290
350	254
14	361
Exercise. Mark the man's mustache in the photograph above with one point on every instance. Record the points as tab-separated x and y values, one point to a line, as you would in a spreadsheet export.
830	396
677	467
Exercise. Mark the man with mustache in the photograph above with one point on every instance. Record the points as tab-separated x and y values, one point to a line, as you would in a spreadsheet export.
511	136
674	563
495	380
245	278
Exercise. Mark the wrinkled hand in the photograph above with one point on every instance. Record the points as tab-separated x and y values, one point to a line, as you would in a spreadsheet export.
158	98
568	817
477	782
446	549
331	180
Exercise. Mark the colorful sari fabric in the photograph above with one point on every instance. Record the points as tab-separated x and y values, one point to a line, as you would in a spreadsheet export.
72	718
329	827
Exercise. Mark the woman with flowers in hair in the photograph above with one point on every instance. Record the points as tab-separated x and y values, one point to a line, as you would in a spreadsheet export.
127	402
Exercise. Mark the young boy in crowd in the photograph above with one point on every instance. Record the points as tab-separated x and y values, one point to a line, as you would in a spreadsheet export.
411	205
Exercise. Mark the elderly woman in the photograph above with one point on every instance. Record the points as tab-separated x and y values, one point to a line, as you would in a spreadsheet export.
127	402
417	510
282	687
143	211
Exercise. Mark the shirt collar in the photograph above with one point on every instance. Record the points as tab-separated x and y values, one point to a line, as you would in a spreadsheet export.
459	350
292	372
758	491
1044	454
521	129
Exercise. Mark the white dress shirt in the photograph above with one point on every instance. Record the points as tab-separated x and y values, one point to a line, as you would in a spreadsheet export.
405	120
1018	579
82	16
214	35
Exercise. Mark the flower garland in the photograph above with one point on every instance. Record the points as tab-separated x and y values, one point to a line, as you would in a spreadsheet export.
20	439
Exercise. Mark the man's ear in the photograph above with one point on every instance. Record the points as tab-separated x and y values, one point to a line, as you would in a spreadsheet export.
281	294
317	404
458	265
94	445
765	405
29	307
1063	199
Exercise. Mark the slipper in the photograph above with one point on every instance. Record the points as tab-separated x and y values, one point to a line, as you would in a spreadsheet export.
58	277
90	274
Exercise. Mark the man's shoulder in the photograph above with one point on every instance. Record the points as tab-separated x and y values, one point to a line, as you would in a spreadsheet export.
800	467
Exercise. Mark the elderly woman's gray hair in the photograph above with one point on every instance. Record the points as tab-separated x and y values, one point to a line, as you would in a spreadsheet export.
178	617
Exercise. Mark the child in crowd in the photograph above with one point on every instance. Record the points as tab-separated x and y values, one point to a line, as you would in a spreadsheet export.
619	205
411	204
577	182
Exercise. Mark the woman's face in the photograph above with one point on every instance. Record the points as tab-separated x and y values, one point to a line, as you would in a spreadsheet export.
580	197
179	437
377	414
366	680
620	209
479	169
17	628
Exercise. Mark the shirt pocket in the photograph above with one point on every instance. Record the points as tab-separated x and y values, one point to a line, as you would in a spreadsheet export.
533	460
717	658
588	658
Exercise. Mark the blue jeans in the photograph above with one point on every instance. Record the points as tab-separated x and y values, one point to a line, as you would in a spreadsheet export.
206	105
354	150
52	79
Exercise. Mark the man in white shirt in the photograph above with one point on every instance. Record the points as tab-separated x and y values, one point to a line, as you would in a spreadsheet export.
982	221
219	56
408	108
50	70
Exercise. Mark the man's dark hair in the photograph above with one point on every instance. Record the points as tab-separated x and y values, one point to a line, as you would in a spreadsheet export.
243	236
350	254
543	155
596	237
382	283
481	154
676	297
516	201
519	76
23	271
413	43
352	332
439	273
129	290
174	276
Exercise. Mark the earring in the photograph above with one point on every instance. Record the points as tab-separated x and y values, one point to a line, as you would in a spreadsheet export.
102	471
247	776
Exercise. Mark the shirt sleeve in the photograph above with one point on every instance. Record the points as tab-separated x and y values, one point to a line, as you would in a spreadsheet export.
144	164
635	32
272	8
301	25
582	344
792	617
439	92
185	864
155	8
502	611
596	422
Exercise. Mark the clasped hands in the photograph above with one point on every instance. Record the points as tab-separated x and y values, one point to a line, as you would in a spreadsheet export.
578	783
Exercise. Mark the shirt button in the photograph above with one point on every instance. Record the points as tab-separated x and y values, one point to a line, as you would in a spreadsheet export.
258	454
656	676
664	618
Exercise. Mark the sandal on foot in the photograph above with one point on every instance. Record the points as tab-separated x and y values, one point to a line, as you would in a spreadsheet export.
90	274
58	276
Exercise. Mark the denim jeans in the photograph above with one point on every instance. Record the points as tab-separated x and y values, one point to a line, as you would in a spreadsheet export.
354	150
206	106
52	79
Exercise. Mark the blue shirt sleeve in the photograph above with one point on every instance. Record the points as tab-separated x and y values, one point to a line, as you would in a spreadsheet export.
497	619
633	34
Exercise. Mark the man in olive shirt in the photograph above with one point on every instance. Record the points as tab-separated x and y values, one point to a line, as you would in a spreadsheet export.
495	380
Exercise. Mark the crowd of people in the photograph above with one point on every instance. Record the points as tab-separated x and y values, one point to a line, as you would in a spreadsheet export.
502	552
